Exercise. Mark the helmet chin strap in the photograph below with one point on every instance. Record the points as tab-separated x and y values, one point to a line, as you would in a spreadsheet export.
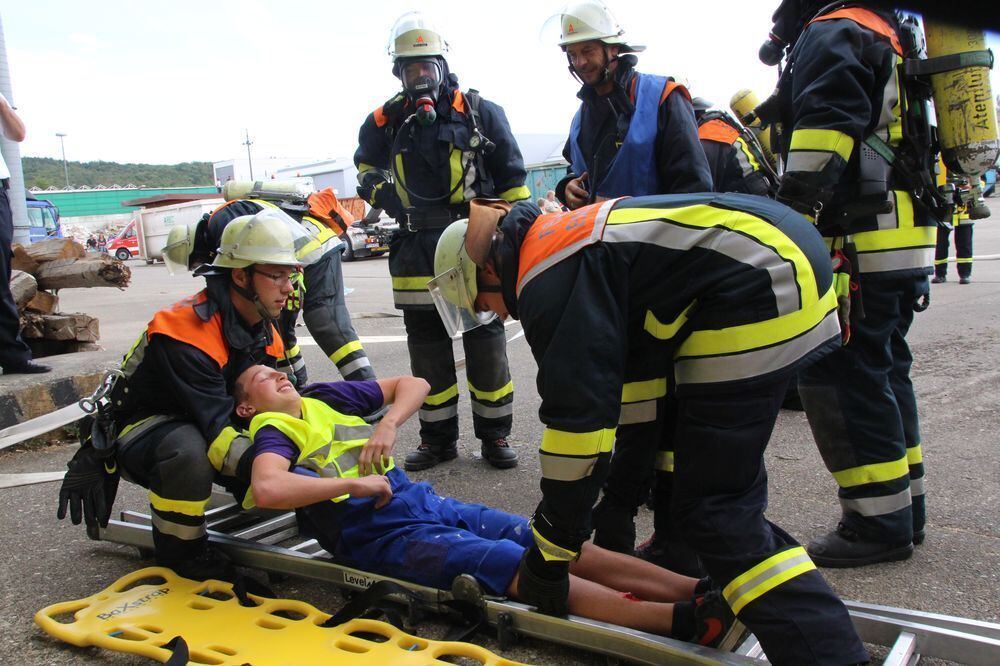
249	294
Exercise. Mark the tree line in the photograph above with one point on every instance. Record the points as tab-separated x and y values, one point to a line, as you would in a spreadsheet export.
46	172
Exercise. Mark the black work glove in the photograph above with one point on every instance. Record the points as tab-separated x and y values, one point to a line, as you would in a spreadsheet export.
544	585
381	194
89	488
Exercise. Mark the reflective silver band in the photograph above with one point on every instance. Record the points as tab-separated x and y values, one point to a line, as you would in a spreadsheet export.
733	596
562	468
896	260
350	433
182	532
442	414
354	366
878	506
637	412
486	412
808	160
742	248
237	447
917	486
412	297
753	363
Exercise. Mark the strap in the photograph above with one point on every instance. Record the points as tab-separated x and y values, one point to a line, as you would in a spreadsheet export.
365	601
948	63
181	655
244	586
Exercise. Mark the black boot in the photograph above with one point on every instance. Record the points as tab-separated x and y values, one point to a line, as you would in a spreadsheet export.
938	279
428	455
614	526
671	554
844	548
499	453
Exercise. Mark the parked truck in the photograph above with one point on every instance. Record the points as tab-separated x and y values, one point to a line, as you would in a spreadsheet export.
43	219
145	236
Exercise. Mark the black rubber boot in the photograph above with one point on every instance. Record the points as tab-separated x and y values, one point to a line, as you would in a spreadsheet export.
671	554
428	455
498	452
844	548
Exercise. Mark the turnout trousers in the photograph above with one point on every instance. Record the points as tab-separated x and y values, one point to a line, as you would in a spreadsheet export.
411	264
963	250
719	498
325	314
863	414
490	387
170	461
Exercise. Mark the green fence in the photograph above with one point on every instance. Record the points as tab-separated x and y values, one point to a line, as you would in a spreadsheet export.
78	203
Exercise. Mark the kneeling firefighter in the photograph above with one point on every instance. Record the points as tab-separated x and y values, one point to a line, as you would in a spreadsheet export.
168	425
757	303
422	156
859	159
737	161
319	294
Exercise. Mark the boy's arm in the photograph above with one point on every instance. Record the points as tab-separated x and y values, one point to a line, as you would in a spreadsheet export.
405	394
275	487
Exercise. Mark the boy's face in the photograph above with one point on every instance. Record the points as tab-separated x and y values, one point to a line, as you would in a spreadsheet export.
267	390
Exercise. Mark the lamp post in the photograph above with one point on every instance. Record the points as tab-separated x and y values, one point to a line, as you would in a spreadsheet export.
248	143
62	143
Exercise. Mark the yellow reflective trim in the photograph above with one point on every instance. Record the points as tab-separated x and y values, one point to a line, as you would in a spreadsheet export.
293	351
914	455
874	473
706	217
349	348
781	575
560	442
365	168
418	283
218	449
185	507
650	389
831	141
132	426
662	331
404	198
895	239
516	194
664	461
442	397
758	334
492	396
751	158
550	551
455	162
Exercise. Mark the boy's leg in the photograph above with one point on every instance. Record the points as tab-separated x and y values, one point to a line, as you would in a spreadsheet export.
625	573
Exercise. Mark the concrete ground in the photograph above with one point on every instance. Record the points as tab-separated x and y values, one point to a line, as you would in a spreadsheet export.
956	345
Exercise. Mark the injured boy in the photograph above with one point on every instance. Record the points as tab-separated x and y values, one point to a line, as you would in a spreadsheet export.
312	452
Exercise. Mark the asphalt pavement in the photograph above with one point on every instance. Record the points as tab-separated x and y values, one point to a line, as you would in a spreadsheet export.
956	346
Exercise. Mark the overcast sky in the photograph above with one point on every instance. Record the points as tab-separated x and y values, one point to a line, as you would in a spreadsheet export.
180	81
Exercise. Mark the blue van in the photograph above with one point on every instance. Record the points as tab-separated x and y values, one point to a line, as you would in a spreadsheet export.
43	219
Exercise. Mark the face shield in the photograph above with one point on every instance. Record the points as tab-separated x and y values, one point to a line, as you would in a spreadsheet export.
422	78
456	304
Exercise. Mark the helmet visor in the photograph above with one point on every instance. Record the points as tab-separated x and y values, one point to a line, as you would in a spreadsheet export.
175	257
455	304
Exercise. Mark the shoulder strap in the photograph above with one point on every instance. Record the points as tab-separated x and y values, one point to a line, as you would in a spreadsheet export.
866	18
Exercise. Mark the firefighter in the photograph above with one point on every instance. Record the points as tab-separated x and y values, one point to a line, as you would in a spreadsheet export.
172	410
634	134
840	92
737	291
422	156
962	224
735	160
319	296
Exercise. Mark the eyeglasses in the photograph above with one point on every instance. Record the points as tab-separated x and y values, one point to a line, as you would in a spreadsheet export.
281	278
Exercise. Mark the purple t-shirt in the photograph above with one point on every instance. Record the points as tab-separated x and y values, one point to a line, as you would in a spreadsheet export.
358	398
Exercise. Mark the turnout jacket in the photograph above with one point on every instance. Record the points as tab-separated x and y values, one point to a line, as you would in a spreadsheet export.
443	173
735	166
735	289
841	86
680	164
184	366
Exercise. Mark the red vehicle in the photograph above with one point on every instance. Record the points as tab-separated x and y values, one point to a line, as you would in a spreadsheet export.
125	245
